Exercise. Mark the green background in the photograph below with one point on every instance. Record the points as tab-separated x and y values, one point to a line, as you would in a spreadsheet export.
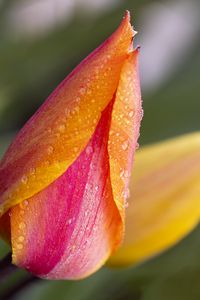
30	68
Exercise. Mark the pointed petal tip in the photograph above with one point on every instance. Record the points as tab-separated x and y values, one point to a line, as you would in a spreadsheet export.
126	23
127	15
127	19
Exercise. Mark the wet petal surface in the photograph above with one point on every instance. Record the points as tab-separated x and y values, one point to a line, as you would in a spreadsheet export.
70	228
59	131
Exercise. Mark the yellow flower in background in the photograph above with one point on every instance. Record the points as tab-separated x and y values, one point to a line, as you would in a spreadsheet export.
164	204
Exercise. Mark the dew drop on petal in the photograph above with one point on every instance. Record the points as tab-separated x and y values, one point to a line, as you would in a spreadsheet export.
75	149
67	112
122	174
25	202
47	163
50	149
125	145
21	238
32	171
89	150
19	246
131	113
126	193
126	174
24	179
61	128
22	225
82	90
69	221
126	204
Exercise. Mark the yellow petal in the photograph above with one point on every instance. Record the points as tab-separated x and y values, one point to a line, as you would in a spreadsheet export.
164	204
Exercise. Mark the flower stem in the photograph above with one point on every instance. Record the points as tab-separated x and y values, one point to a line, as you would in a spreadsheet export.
6	267
18	287
6	270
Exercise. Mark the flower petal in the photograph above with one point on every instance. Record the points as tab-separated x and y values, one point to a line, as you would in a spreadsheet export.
70	228
59	131
124	130
165	198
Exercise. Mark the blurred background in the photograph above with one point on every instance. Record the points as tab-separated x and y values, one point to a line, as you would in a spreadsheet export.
40	43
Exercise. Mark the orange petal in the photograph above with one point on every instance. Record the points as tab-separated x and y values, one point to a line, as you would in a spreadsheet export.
59	131
124	130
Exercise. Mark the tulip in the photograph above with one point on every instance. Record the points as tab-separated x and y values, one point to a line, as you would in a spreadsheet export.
64	179
165	199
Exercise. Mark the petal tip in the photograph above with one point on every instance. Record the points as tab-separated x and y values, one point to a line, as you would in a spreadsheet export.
127	15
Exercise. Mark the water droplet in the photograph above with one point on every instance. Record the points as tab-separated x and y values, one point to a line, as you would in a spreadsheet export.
57	134
69	221
75	149
32	171
126	204
95	121
126	174
22	212
125	145
47	163
76	109
89	92
50	149
82	90
96	188
24	179
22	225
89	150
67	112
131	113
122	174
73	247
21	238
25	202
19	246
126	193
49	130
61	128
